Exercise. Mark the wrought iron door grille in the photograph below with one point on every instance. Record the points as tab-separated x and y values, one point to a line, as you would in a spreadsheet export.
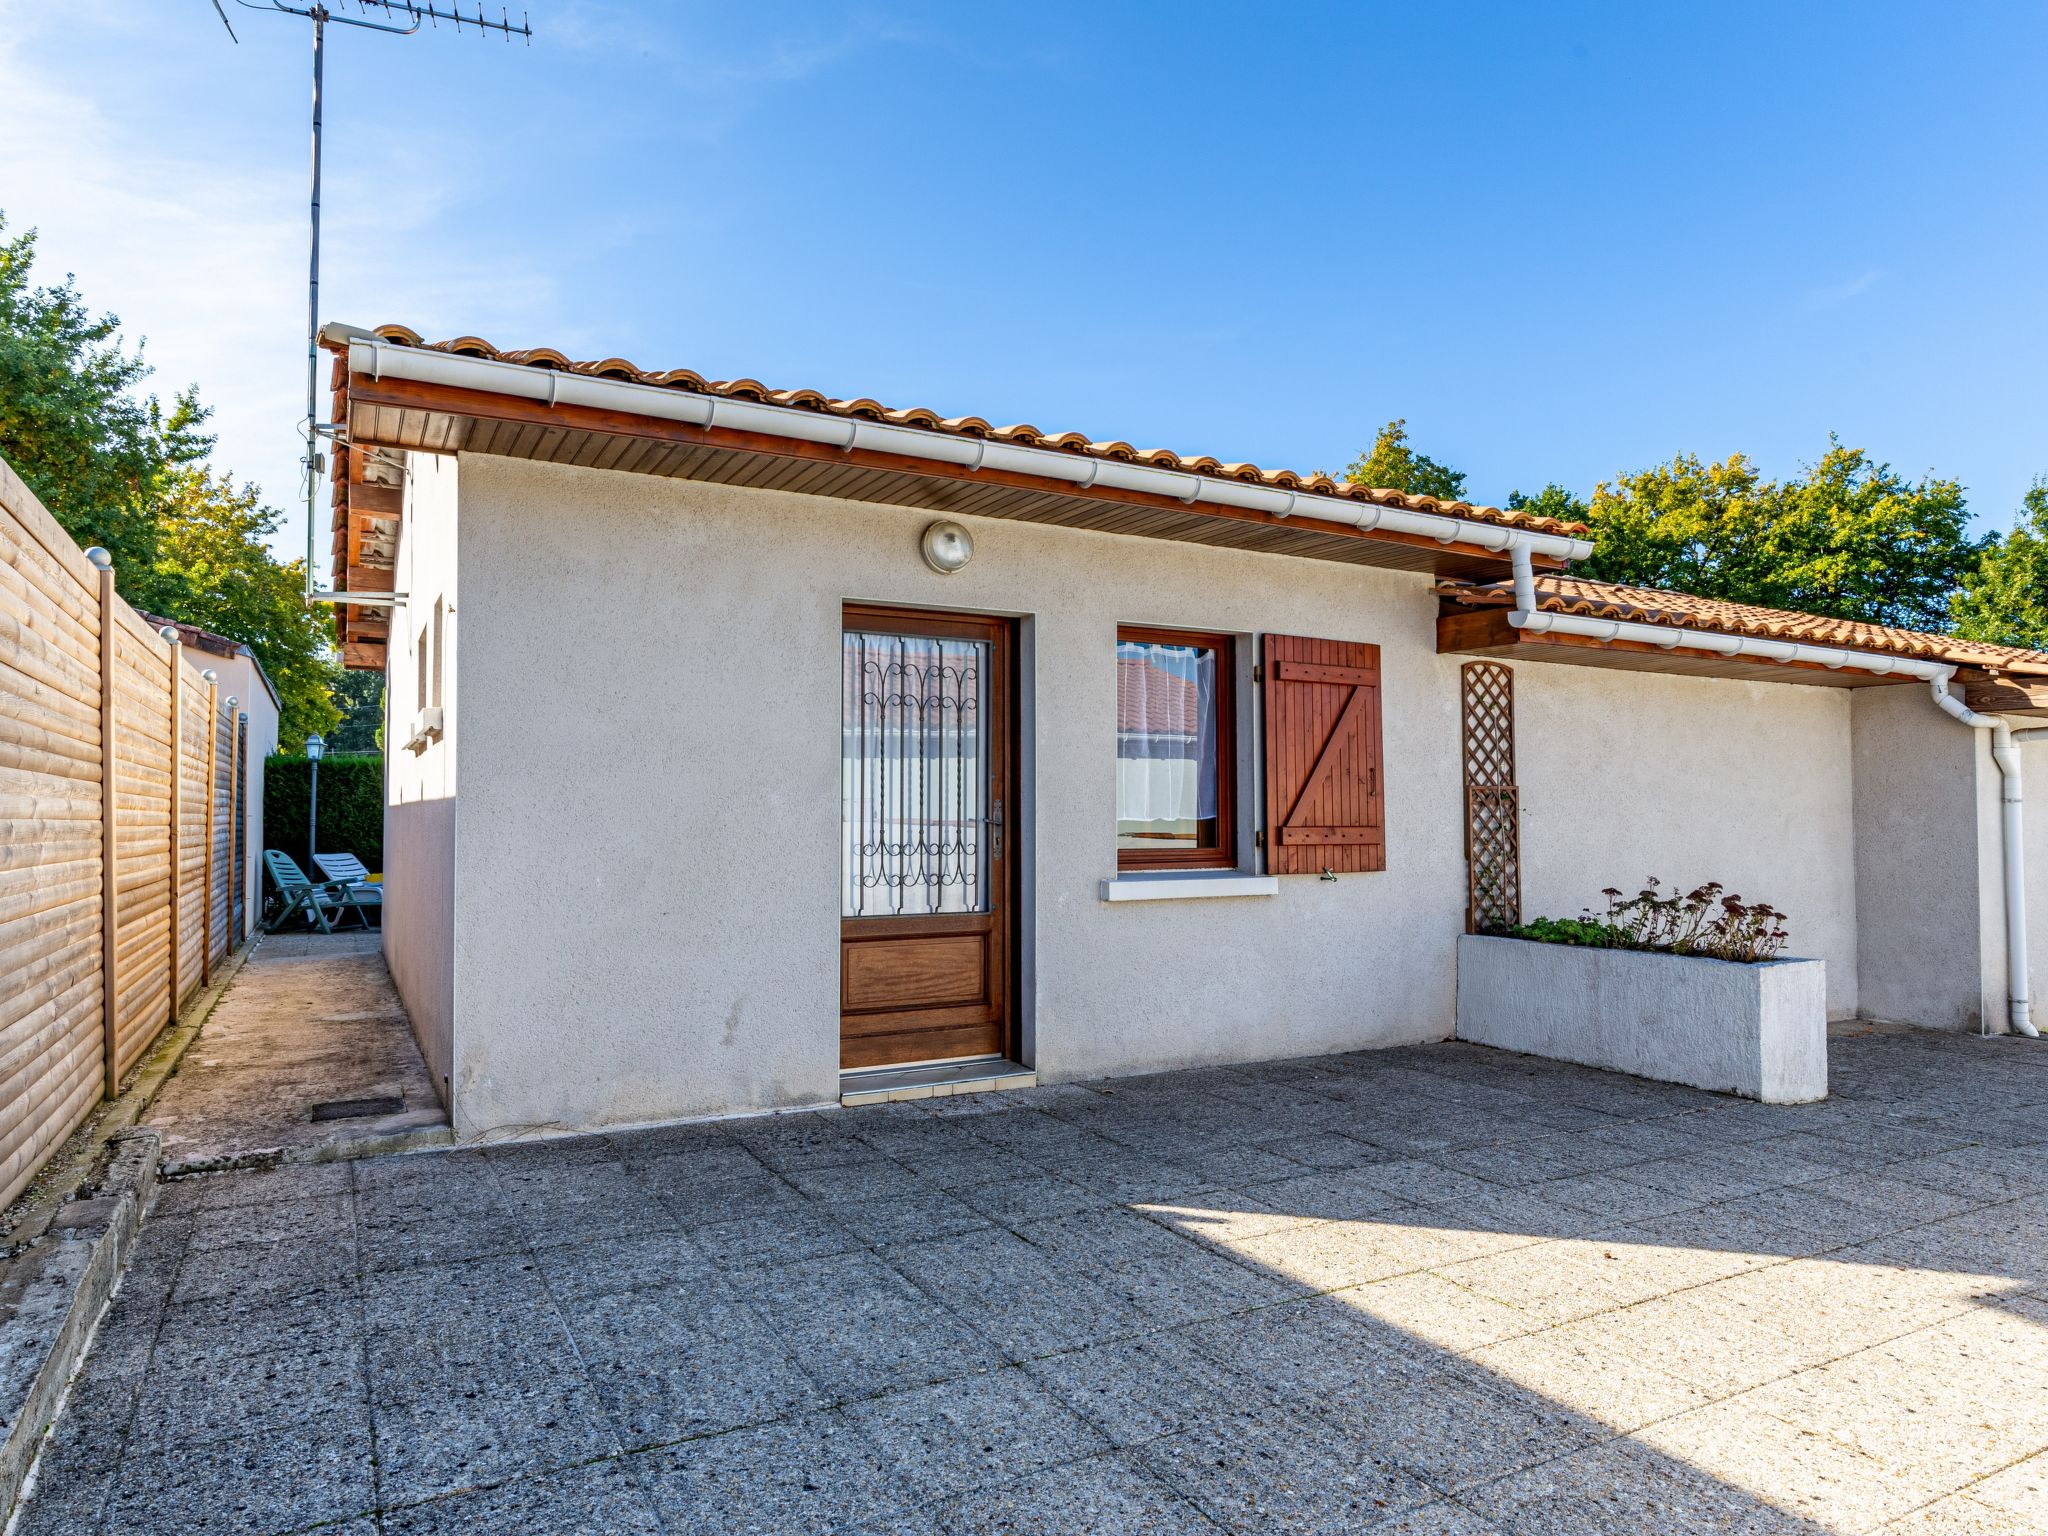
913	775
1493	803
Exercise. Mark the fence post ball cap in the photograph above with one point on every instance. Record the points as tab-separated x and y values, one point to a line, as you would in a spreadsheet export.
947	547
101	557
231	701
170	633
209	677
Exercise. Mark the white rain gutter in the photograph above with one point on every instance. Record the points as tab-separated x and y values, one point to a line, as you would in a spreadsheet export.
386	360
1526	615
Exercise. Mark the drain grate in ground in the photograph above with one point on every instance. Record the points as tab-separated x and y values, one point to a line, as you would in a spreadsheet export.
358	1109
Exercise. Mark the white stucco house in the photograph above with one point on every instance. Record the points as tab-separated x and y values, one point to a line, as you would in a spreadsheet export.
752	748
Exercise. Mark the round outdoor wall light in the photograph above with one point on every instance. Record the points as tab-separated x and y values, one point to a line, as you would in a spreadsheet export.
947	547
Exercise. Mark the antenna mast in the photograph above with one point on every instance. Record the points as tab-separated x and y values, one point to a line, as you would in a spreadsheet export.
402	19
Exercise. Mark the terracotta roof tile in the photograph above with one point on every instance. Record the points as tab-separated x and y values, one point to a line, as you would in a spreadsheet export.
974	426
1680	610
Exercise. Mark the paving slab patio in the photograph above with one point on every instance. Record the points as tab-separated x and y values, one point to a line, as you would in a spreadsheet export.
1434	1290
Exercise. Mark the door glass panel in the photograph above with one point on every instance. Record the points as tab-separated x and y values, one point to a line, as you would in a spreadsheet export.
913	775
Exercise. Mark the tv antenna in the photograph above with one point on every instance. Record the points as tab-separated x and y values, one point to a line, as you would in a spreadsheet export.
402	18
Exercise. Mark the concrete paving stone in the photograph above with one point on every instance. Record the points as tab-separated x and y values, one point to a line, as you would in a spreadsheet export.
1882	1142
679	1139
1113	1495
208	1328
956	1168
1813	1209
63	1502
781	1237
605	1265
1421	1182
974	1432
815	1139
440	1235
1515	1216
815	1475
549	1223
1699	1178
1023	1300
438	1295
1235	1167
1193	1286
920	1217
219	1191
1975	1173
1958	1515
92	1432
1034	1198
217	1397
1910	1204
2019	1491
1550	1283
1139	1389
729	1197
249	1275
600	1499
1443	1518
1223	1218
667	1364
1510	1164
1620	1489
1129	1178
856	1326
1106	1239
478	1435
547	1155
1303	1351
1576	1367
1746	1237
1803	1473
1331	1195
875	1178
278	1479
1436	1313
1276	1471
522	1348
1602	1194
1452	1428
1325	1149
318	1218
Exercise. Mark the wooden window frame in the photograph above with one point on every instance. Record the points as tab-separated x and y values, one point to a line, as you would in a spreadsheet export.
1224	854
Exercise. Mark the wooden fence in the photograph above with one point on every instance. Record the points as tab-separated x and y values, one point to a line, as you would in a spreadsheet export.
121	805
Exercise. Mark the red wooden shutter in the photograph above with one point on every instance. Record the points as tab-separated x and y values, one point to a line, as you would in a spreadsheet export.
1323	801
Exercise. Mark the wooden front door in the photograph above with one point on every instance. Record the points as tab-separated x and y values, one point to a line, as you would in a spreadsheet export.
927	909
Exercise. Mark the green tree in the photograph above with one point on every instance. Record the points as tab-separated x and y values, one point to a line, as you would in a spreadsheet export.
1849	538
70	421
360	696
214	569
1392	465
1552	501
2004	600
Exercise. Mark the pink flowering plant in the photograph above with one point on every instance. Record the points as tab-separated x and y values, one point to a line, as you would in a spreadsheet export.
1703	921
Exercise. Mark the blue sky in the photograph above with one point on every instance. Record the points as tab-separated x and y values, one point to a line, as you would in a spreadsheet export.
1562	240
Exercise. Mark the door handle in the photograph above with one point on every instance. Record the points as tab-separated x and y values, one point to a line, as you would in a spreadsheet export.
995	829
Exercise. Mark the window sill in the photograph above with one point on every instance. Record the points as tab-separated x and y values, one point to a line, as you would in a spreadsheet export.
1188	887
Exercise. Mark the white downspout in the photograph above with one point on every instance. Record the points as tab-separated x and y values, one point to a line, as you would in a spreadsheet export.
2005	752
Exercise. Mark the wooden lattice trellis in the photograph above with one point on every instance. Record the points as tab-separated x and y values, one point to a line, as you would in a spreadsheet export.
1493	811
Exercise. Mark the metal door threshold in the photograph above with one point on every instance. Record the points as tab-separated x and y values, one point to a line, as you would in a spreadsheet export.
932	1080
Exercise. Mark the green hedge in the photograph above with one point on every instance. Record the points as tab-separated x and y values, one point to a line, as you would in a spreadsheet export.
351	807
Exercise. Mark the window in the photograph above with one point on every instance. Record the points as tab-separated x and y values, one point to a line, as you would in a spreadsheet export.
422	658
436	698
1176	756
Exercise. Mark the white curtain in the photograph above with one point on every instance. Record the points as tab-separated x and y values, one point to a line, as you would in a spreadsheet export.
1166	733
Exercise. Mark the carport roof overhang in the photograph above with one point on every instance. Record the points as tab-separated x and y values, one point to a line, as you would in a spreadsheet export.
394	394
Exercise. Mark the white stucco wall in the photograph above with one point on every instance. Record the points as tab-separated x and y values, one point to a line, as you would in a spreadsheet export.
1625	775
239	676
2034	767
649	825
420	909
1929	901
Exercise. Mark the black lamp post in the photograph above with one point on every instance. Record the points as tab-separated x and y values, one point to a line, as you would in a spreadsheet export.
316	748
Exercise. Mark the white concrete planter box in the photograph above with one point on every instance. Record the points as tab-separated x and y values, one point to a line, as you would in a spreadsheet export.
1757	1030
